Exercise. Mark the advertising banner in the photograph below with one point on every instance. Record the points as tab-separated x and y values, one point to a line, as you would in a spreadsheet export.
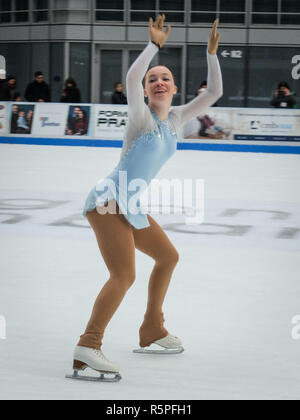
216	123
265	124
110	121
50	120
244	124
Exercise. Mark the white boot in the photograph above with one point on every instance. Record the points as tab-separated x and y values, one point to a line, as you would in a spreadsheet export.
170	344
88	357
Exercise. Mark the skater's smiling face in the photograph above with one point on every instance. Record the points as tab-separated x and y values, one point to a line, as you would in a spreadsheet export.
159	86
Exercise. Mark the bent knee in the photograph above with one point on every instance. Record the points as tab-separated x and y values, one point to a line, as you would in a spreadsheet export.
170	258
126	277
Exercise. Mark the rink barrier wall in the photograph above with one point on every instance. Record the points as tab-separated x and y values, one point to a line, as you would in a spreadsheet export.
216	147
257	130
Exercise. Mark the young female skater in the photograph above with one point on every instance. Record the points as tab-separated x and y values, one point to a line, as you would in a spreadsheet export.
150	140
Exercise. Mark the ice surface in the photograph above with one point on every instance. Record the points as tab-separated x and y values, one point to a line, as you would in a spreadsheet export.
232	297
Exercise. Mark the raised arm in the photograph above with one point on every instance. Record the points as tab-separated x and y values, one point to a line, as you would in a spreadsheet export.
214	83
136	73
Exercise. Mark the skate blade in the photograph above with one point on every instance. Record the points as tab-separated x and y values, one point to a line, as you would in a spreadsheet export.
101	378
145	350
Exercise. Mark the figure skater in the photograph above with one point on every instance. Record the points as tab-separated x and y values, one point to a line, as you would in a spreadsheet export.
150	140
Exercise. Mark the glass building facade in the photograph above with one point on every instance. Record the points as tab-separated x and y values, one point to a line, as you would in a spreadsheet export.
96	41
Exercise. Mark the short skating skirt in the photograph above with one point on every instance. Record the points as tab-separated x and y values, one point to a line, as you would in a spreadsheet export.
138	221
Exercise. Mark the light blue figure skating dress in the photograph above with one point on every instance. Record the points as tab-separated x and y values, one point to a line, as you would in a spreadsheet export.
148	142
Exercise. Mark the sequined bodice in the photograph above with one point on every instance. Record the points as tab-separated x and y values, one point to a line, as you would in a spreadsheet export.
148	153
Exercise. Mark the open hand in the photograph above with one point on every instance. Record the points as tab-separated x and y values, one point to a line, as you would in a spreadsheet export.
214	37
156	30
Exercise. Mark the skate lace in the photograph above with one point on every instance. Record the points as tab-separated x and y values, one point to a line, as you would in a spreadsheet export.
100	354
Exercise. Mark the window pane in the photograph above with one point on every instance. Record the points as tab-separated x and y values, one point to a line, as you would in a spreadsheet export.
265	6
40	58
110	4
21	5
232	72
290	19
141	16
18	63
57	70
292	6
232	18
209	5
40	16
117	16
260	19
171	5
111	72
171	58
267	67
5	17
143	4
175	17
203	17
80	58
232	5
21	16
5	5
41	4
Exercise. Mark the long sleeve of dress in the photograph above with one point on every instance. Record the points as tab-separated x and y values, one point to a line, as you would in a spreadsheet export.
213	92
134	86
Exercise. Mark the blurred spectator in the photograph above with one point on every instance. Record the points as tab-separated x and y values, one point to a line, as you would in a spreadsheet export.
283	97
19	98
8	89
71	93
38	90
11	88
202	89
118	96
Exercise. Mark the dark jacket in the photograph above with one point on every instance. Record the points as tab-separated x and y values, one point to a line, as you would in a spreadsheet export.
71	95
282	101
7	92
118	98
36	91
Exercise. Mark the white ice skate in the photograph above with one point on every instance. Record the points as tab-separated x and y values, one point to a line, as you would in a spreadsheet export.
87	357
167	345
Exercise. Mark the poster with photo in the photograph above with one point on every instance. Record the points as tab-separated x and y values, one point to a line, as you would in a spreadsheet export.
21	118
215	124
78	121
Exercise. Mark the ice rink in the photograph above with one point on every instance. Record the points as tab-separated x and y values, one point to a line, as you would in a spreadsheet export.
232	298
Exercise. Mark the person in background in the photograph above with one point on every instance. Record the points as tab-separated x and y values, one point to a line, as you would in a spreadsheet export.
8	89
22	126
14	119
118	96
29	119
38	90
71	93
72	119
81	124
283	97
